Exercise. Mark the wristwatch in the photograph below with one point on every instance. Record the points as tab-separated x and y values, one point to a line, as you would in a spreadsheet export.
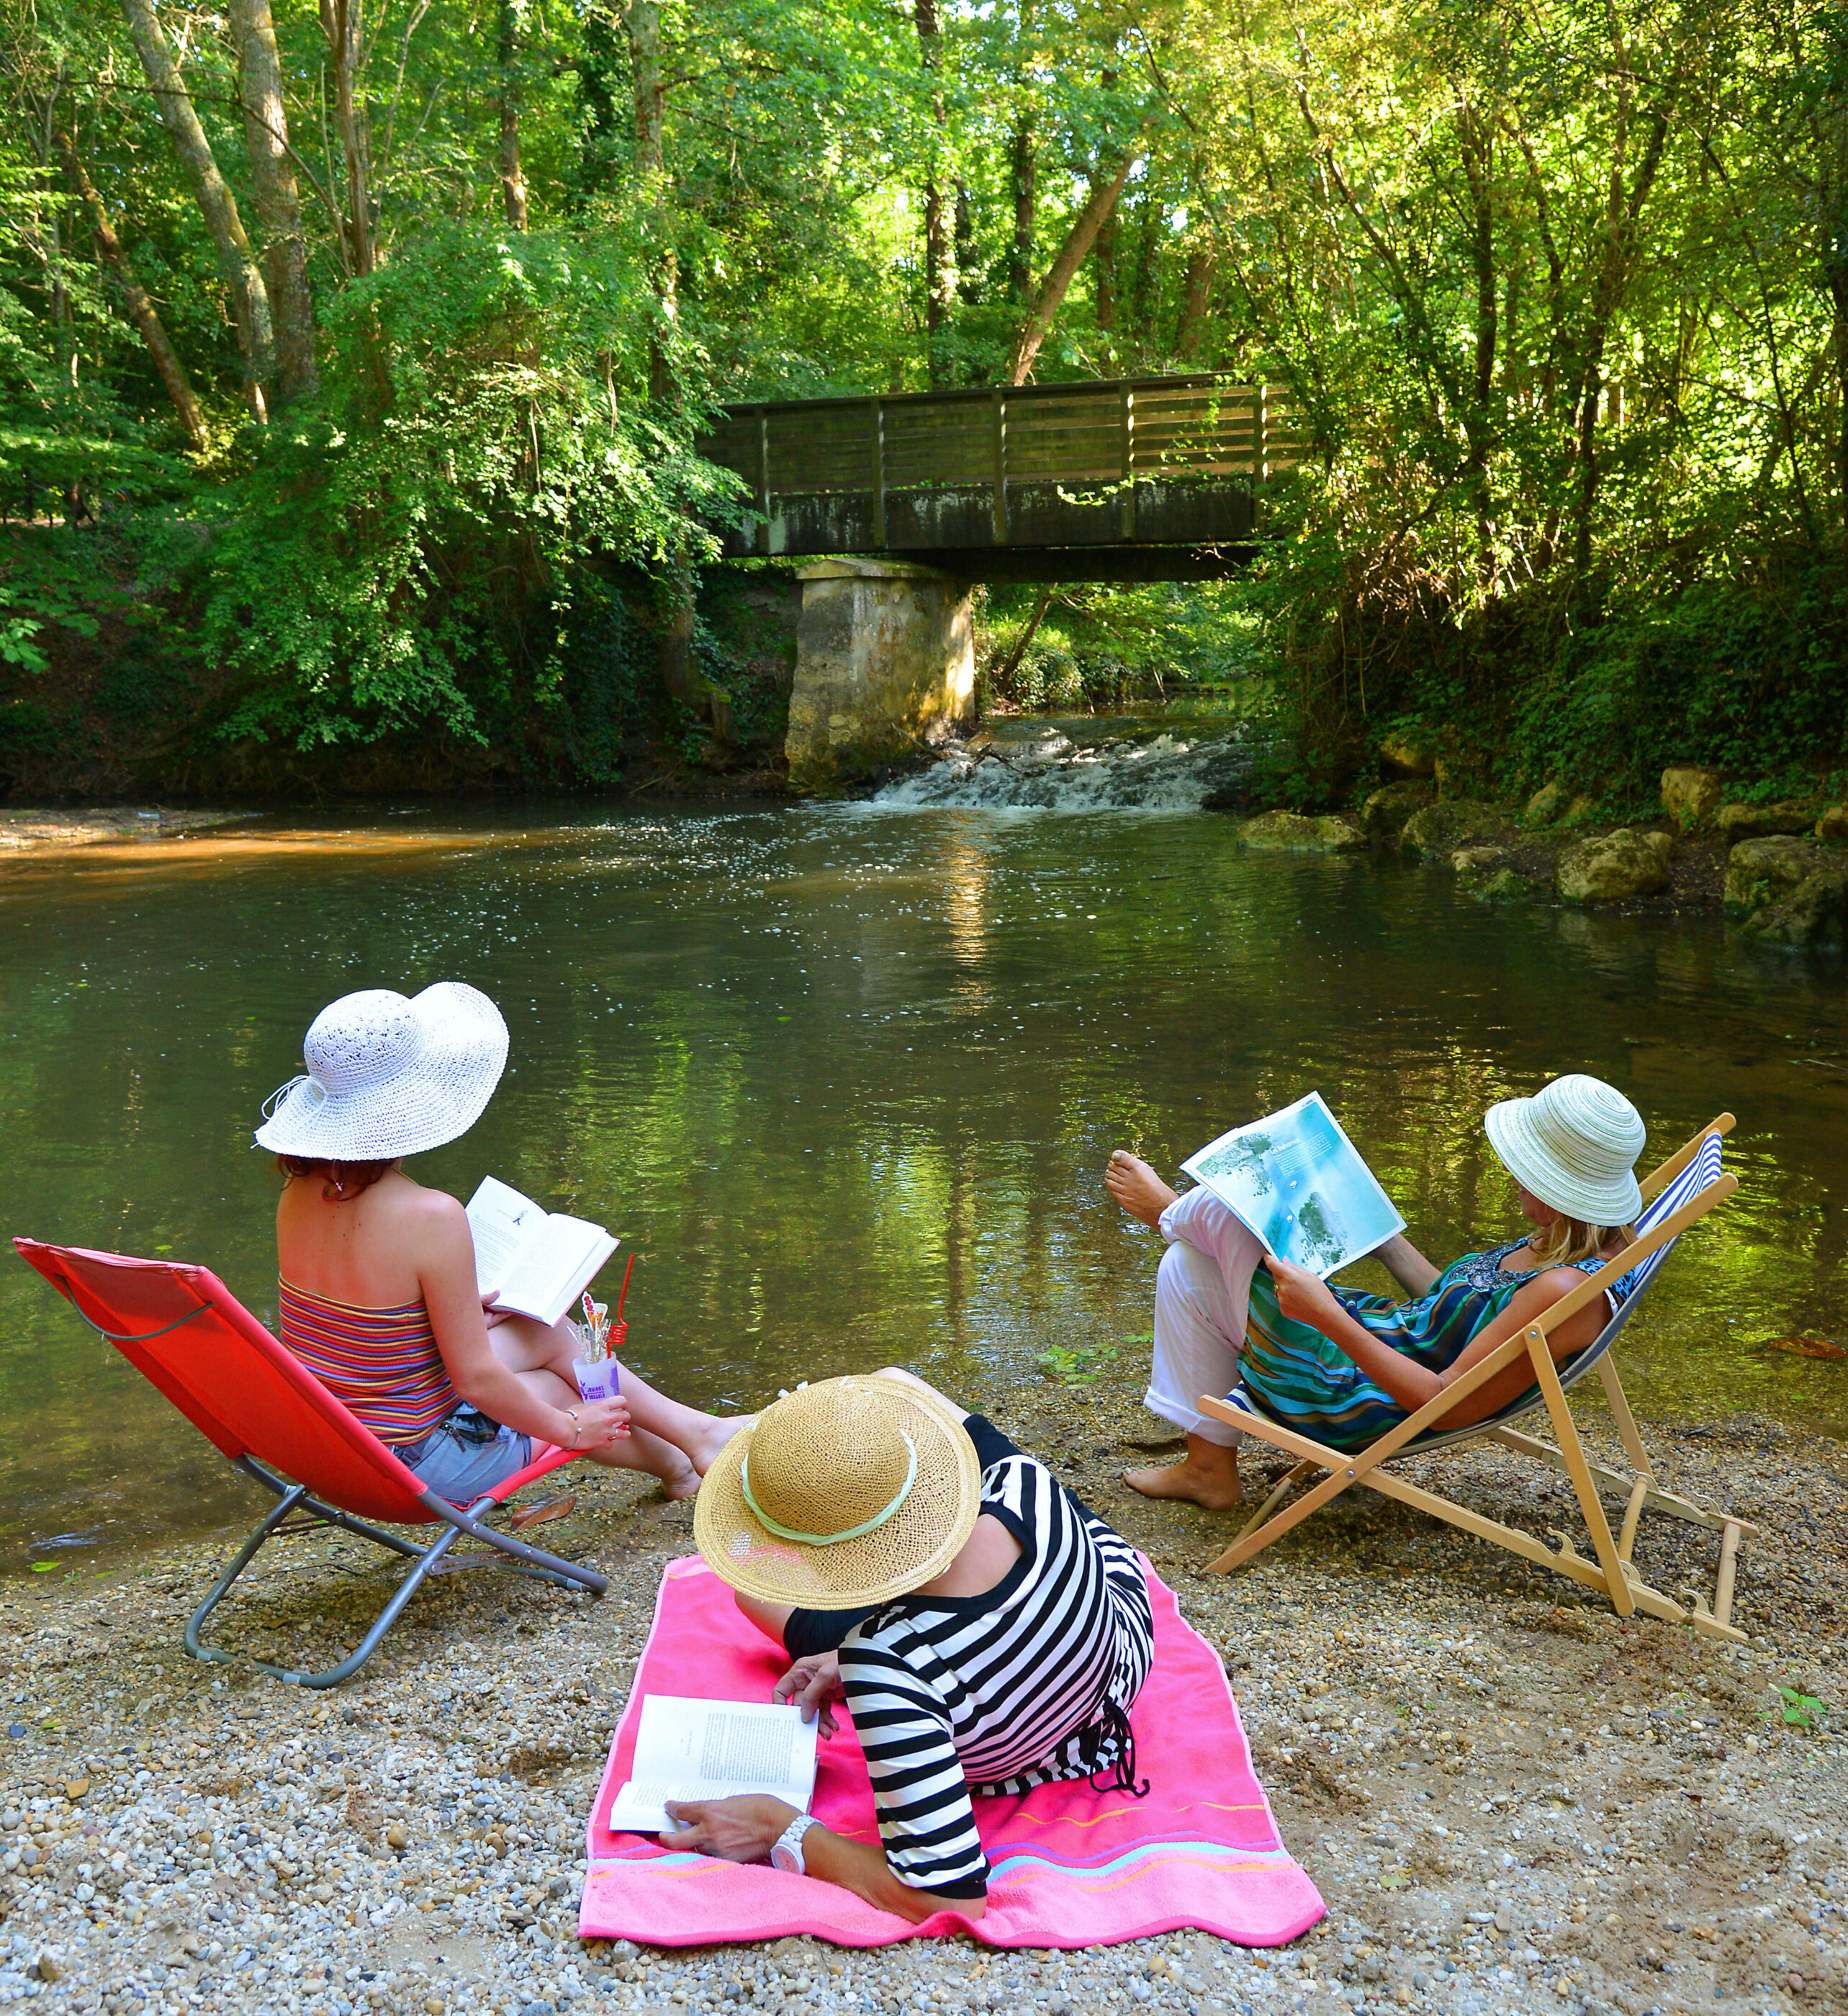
787	1854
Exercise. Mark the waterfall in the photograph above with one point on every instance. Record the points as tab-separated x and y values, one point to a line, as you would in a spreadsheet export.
1080	766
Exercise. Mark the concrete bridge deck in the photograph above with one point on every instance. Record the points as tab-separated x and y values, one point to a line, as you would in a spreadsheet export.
1124	479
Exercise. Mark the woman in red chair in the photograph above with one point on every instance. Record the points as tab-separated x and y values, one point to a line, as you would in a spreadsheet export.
378	1294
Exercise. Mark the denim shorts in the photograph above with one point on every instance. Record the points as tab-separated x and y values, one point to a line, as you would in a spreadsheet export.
466	1455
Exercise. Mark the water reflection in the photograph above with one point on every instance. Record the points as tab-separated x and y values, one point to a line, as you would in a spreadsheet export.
846	1079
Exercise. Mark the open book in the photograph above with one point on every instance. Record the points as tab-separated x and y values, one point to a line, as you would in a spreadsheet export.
539	1262
1300	1185
690	1749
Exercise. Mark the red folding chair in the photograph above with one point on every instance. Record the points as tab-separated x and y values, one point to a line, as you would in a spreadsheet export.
185	1331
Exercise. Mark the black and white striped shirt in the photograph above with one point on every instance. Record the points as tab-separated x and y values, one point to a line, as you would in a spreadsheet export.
1000	1691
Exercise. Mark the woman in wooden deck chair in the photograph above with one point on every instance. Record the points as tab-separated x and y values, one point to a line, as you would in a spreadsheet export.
1343	1366
378	1294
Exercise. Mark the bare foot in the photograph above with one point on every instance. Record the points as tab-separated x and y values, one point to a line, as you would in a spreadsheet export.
1208	1480
1136	1187
684	1483
719	1429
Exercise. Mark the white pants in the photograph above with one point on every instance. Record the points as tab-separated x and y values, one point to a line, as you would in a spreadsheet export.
1203	1296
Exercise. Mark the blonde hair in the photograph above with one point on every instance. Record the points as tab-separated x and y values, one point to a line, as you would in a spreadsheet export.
1567	1239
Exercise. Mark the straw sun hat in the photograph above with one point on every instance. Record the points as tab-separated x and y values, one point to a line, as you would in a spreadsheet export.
850	1492
1574	1145
387	1076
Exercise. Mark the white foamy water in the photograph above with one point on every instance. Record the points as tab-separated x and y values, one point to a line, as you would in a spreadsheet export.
1042	768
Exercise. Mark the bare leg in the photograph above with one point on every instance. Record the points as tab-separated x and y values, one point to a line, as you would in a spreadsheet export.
699	1435
540	1358
1208	1476
1136	1186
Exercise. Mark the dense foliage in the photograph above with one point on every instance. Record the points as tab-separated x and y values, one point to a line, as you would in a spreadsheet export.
352	356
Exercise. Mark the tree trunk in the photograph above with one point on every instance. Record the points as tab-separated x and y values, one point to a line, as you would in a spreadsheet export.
1083	234
340	24
643	21
278	206
1196	298
969	282
1475	141
513	188
940	274
250	296
1831	215
642	24
1836	279
1002	677
1026	173
1144	305
680	676
140	309
1104	254
1026	168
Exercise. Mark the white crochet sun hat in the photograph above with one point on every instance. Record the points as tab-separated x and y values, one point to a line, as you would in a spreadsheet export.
387	1076
1574	1145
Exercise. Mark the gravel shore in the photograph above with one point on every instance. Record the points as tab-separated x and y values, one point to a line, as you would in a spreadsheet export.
1510	1801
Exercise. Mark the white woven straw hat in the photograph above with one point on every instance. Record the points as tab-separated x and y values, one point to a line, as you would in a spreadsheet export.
387	1076
1574	1145
849	1491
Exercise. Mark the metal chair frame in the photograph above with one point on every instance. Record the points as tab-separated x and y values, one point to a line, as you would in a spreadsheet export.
61	1267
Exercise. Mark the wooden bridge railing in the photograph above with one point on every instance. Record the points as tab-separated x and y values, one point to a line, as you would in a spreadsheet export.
1019	449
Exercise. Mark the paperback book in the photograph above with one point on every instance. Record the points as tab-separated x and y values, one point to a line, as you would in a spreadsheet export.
689	1749
537	1261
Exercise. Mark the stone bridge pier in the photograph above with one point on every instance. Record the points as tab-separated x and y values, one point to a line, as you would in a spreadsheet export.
885	650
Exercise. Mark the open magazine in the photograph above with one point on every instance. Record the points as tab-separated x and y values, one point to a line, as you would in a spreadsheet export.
1300	1184
538	1262
688	1749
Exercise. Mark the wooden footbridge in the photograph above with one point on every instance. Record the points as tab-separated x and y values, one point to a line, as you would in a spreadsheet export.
1137	479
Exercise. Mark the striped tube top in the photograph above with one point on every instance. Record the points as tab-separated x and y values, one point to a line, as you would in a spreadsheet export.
381	1364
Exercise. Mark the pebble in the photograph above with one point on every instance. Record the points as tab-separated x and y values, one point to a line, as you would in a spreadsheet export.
276	1847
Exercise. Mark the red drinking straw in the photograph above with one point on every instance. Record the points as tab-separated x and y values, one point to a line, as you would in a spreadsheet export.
620	1329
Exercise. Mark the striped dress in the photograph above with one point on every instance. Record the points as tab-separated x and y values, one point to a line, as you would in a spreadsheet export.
1307	1382
1028	1683
381	1364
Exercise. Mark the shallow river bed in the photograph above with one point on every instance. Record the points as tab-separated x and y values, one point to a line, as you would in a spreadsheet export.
845	1077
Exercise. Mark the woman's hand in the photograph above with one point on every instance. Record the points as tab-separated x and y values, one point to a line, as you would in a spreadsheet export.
744	1829
599	1423
1305	1297
811	1684
492	1317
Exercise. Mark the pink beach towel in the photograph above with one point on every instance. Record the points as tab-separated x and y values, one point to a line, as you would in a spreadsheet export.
1071	1867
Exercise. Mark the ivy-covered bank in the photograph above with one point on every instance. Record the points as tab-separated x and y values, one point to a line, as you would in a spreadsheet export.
122	704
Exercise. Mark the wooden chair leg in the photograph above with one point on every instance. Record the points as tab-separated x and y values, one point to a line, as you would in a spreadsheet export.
1729	1563
1591	1505
1632	1512
1285	1484
1619	1406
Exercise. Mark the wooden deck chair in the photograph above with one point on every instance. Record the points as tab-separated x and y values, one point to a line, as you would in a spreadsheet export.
265	1412
1685	1188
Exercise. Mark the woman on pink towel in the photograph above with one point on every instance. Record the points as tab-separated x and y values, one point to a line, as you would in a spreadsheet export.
987	1631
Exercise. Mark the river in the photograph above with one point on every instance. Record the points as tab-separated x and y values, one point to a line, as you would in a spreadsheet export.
844	1079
